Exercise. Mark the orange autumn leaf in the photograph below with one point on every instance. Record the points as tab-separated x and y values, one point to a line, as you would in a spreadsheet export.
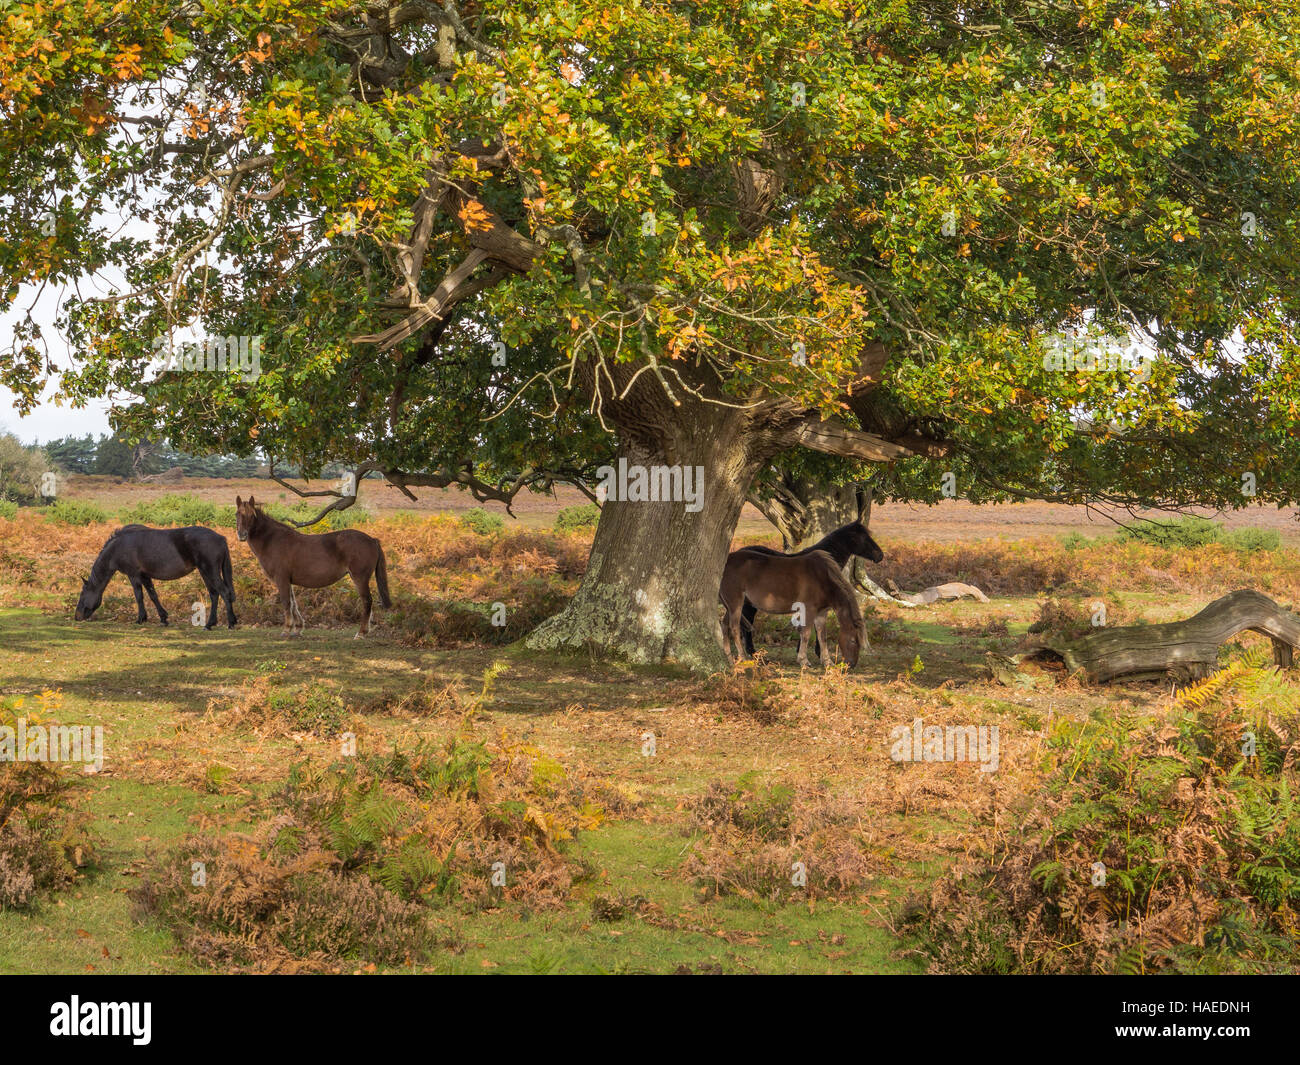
126	64
473	215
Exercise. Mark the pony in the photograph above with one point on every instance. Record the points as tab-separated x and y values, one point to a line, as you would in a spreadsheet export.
842	544
291	558
808	584
143	554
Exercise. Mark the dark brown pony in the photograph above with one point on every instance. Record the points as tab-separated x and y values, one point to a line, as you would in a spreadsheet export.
142	554
842	544
809	585
291	558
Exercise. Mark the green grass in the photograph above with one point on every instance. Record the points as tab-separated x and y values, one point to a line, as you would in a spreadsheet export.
142	682
138	682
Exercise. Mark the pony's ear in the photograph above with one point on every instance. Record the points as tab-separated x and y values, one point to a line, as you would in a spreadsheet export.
238	502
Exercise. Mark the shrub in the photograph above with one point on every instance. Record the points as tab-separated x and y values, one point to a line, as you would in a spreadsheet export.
1067	619
586	516
1178	532
172	510
351	856
1253	539
481	522
271	705
755	833
21	469
43	843
279	899
1076	541
75	512
1155	845
8	509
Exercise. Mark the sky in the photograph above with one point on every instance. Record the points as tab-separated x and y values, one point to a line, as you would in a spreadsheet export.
48	422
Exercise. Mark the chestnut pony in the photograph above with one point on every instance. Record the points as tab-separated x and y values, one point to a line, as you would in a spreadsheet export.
808	586
291	558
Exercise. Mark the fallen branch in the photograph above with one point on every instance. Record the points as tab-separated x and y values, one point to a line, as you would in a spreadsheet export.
1186	650
955	590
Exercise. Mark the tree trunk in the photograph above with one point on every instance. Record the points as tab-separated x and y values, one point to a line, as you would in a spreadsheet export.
1186	650
650	592
804	510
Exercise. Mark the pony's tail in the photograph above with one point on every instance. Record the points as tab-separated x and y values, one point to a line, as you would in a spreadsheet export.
381	579
228	574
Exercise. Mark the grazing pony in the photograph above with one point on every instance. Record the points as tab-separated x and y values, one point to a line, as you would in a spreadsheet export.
842	544
291	558
143	554
811	584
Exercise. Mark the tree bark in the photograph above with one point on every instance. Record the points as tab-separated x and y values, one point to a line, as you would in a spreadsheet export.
650	591
804	510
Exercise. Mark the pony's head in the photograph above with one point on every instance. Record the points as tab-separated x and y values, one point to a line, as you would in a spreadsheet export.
89	601
860	538
861	543
245	515
852	639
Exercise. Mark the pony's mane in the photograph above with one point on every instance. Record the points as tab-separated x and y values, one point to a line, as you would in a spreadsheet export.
846	530
259	515
98	570
846	591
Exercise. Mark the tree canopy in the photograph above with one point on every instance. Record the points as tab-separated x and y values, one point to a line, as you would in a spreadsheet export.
491	243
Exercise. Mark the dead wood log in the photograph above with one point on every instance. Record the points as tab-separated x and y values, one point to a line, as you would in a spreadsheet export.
955	590
1185	650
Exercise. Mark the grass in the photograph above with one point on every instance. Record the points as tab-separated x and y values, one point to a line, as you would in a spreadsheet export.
174	768
140	682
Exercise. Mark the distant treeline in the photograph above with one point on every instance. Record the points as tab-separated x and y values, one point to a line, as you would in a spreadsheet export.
113	456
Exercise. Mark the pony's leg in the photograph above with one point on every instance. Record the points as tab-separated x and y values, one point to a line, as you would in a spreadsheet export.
822	649
226	582
803	646
733	630
147	581
285	591
227	590
212	582
137	586
361	580
747	615
302	622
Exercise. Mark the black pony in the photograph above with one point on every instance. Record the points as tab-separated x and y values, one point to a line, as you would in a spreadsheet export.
842	544
143	554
